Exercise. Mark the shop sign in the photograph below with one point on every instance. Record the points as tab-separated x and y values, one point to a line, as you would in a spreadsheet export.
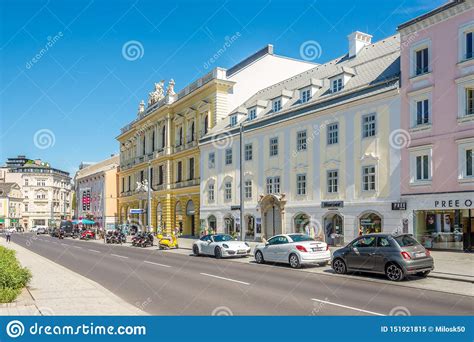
137	211
235	207
453	203
2	220
332	204
399	205
14	220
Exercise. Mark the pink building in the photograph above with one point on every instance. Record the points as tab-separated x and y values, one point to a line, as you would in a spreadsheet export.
437	104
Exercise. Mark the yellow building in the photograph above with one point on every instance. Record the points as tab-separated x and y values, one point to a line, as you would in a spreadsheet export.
163	140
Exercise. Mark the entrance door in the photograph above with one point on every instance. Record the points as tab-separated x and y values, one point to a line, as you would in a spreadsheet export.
360	257
468	232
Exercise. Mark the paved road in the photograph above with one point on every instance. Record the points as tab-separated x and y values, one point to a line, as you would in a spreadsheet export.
166	283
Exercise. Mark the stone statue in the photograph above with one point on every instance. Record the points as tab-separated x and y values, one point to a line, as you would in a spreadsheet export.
141	107
157	94
170	89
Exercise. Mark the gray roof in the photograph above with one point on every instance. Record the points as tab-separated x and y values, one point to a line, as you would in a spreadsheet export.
375	64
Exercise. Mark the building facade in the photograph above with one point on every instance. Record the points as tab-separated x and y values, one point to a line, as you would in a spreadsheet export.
437	104
96	187
317	155
11	205
161	145
46	191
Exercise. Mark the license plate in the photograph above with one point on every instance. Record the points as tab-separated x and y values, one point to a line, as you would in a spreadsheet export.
241	251
420	255
318	249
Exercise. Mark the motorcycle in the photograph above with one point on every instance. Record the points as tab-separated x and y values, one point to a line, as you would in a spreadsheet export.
87	235
61	234
167	242
136	239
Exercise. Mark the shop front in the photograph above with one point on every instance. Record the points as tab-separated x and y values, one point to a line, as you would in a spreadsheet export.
446	224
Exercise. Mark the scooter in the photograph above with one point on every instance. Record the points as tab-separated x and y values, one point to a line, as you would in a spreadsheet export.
147	240
167	242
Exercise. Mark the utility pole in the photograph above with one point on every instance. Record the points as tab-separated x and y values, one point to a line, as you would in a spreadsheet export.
241	136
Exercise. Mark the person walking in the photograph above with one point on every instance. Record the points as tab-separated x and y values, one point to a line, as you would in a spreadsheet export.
9	235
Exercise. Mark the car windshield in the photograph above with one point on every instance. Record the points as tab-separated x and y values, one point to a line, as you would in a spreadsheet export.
300	237
406	241
223	237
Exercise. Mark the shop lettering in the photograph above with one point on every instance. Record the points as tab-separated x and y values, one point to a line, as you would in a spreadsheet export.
453	204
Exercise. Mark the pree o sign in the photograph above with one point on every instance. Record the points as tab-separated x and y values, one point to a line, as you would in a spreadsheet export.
453	203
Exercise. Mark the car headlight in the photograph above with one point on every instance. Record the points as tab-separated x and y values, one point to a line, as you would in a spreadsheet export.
225	245
246	244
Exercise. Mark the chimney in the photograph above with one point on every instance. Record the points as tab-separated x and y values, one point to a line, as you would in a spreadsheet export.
357	40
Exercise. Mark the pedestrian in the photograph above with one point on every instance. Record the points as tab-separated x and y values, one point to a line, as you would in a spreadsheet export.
9	235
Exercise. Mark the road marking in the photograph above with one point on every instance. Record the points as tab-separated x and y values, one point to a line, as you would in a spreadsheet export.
348	307
64	244
233	280
93	250
77	247
154	263
120	256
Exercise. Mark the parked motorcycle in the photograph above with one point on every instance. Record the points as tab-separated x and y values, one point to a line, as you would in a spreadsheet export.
143	240
87	235
167	242
136	239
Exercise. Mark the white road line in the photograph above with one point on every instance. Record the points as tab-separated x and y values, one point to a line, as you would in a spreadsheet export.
64	244
120	256
233	280
77	247
154	263
93	250
348	307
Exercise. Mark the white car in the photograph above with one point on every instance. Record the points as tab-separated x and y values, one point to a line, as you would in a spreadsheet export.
34	229
293	249
221	246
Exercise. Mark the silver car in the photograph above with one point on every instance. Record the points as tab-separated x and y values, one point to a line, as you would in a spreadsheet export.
396	256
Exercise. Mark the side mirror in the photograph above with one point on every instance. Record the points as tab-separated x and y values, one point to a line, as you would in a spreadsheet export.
266	243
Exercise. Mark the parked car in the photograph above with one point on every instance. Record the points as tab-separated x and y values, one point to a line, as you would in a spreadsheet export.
220	246
67	227
34	229
41	230
396	256
293	249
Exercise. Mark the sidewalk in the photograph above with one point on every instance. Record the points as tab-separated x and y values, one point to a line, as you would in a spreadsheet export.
448	265
55	290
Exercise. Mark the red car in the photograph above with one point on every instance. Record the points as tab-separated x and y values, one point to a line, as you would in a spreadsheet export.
87	234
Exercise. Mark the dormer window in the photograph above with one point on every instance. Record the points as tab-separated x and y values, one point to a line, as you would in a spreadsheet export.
276	105
252	114
305	95
233	120
337	84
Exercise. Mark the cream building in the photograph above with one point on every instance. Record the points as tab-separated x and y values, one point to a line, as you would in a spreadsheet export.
160	146
317	156
46	191
96	186
11	205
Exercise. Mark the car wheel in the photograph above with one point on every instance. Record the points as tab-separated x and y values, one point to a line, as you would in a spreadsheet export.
394	272
196	250
294	261
218	253
259	258
339	266
423	274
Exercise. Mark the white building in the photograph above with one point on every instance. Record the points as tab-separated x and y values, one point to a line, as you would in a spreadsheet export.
11	205
317	156
96	191
46	191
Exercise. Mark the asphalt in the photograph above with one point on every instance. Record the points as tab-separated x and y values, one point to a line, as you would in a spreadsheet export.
164	283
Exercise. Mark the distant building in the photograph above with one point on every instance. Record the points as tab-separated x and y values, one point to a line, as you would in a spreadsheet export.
11	205
46	191
96	191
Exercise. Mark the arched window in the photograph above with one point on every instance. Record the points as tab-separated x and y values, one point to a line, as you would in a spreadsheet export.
206	124
180	136
369	223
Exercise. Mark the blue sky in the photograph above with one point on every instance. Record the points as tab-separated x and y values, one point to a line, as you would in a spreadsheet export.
66	88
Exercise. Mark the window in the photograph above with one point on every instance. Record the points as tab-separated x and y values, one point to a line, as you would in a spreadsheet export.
248	152
383	242
26	206
368	126
160	174
273	147
228	191
422	168
421	61
252	113
332	181
468	45
248	189
276	105
301	140
123	184
142	175
305	95
469	163
337	85
211	162
191	168
422	112
233	120
228	156
365	242
368	178
129	182
273	185
301	184
179	172
151	177
469	101
333	133
210	193
26	181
